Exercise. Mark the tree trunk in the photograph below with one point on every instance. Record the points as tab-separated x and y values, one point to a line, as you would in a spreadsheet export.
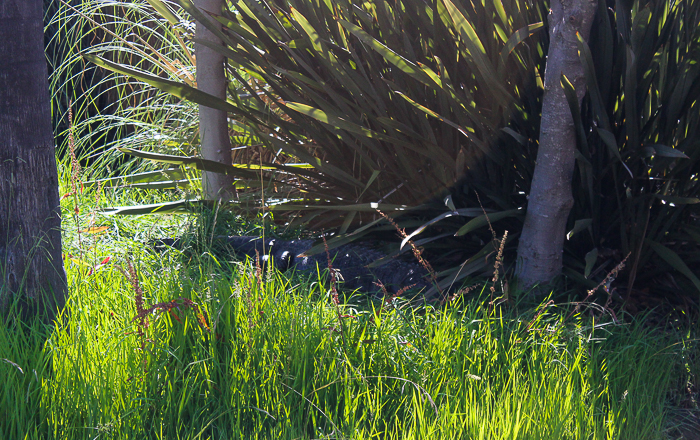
550	201
31	268
213	124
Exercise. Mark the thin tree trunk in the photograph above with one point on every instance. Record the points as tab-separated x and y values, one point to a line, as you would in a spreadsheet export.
213	124
550	200
31	268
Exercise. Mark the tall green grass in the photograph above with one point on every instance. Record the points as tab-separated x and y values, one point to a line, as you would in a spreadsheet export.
247	353
112	111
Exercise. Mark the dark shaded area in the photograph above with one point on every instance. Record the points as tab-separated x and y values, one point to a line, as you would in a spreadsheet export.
350	262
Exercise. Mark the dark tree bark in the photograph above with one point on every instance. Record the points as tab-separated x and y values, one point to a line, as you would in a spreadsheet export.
213	123
550	200
31	268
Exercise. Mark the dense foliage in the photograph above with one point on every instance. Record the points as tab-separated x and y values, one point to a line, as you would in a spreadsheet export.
402	105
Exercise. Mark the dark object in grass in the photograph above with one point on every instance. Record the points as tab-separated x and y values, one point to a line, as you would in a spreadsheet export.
350	262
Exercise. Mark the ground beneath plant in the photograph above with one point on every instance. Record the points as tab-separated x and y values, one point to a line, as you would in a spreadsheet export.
685	424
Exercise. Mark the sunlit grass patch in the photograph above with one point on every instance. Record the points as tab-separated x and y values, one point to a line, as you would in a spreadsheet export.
265	356
194	344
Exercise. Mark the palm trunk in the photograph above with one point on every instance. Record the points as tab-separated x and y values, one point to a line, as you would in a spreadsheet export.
550	200
31	268
213	124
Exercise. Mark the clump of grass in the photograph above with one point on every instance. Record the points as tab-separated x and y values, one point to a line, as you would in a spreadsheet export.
464	370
